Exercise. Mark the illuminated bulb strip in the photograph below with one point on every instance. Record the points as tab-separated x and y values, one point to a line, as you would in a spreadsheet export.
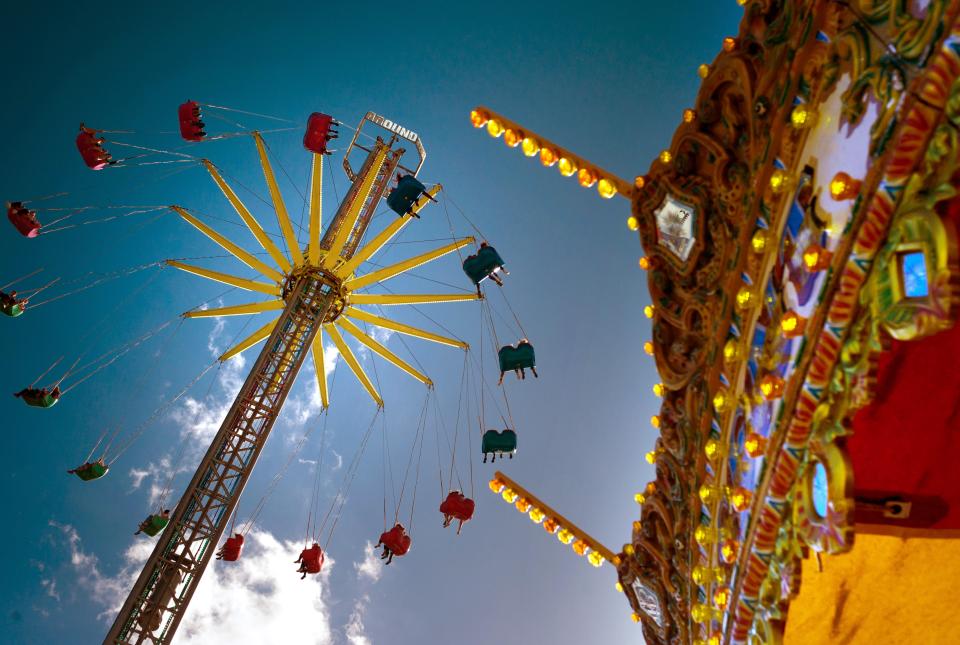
552	522
588	174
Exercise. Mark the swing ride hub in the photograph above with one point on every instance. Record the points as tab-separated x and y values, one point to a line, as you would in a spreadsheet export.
325	282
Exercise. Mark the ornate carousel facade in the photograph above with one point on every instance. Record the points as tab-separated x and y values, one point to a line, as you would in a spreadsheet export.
800	247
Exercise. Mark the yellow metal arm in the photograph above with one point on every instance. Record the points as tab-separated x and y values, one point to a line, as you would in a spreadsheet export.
410	298
382	350
353	210
251	340
402	267
385	235
248	218
359	314
232	248
320	367
285	226
237	310
353	362
240	283
316	193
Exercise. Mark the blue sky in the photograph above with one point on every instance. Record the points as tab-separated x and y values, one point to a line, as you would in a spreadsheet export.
609	84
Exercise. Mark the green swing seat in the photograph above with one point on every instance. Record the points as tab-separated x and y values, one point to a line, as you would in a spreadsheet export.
91	471
405	195
498	442
479	266
515	358
35	399
11	309
155	524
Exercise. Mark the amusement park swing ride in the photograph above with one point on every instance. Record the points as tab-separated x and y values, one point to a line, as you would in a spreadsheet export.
317	292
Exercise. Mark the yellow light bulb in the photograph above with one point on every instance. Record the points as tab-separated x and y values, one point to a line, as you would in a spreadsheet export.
689	116
648	311
771	386
635	617
754	444
548	157
551	526
651	457
740	499
633	223
522	505
580	547
701	613
565	536
778	181
655	421
728	550
639	181
651	488
703	71
715	639
731	350
644	263
512	137
792	324
595	558
843	186
702	575
494	128
708	494
711	449
628	549
721	597
729	44
759	241
509	496
586	177
606	188
567	167
704	535
744	297
496	485
530	146
637	526
802	117
618	587
536	515
659	389
639	498
478	118
666	157
816	258
648	348
721	401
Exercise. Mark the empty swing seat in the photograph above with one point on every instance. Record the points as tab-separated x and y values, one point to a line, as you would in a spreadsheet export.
402	198
498	442
191	123
478	267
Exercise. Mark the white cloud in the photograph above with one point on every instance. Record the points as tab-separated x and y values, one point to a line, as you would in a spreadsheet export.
354	628
258	599
50	586
372	566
